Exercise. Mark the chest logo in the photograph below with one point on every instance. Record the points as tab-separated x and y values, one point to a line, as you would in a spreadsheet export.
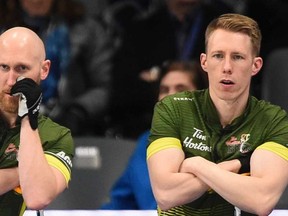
197	141
241	145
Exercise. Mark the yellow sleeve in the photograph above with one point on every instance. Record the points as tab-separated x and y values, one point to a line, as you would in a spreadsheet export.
277	148
162	143
55	162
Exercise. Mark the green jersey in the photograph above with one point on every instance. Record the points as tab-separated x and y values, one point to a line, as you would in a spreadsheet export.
58	148
191	118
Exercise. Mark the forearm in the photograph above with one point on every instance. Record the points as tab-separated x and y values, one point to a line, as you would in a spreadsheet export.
170	186
179	189
9	179
37	180
254	194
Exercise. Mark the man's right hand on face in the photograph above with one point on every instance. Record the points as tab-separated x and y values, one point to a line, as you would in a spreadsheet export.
30	97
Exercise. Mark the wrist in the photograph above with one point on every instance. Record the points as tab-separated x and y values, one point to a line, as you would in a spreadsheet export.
25	121
192	164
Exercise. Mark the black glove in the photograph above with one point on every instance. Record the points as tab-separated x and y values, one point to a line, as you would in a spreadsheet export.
30	97
245	163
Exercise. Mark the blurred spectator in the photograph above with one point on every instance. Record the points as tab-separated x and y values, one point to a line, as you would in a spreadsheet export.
271	17
84	91
76	92
118	16
141	4
238	6
46	18
175	30
133	190
94	7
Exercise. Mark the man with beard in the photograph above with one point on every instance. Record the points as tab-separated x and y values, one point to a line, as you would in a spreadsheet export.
34	173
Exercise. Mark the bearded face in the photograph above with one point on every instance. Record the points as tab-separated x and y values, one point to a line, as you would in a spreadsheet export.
7	103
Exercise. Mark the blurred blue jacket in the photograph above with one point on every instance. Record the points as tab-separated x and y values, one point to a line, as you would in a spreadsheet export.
132	191
57	45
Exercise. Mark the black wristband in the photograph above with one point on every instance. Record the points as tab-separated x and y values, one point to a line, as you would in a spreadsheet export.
245	164
33	120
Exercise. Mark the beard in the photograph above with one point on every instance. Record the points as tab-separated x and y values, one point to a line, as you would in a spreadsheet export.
8	104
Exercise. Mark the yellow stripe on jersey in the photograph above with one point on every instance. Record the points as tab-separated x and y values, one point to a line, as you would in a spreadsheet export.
278	149
23	208
53	161
162	143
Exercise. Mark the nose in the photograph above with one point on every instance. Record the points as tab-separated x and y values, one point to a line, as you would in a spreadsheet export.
227	65
172	91
12	77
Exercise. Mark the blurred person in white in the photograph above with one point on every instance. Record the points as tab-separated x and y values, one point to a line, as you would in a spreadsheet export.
84	90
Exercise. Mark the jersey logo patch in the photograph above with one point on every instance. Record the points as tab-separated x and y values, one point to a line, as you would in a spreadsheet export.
242	145
65	157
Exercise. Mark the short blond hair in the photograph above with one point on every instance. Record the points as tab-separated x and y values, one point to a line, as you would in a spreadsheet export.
237	23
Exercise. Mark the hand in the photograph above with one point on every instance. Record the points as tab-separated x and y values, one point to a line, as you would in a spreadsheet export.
231	165
30	97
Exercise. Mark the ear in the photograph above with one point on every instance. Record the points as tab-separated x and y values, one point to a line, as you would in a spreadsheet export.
45	69
203	61
257	65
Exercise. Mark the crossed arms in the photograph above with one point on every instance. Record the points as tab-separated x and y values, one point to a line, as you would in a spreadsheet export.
176	181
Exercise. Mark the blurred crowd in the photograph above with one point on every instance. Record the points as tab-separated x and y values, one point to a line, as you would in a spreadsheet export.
106	54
